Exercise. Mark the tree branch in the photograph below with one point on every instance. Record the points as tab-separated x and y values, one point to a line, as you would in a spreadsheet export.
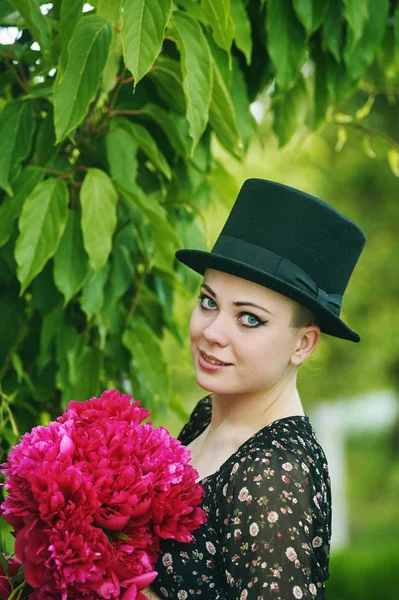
371	131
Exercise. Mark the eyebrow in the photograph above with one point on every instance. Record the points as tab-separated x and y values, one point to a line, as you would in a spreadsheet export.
212	293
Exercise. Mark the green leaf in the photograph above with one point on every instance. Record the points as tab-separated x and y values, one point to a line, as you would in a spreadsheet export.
286	42
41	90
338	82
393	160
166	74
147	205
112	66
66	343
396	31
367	147
360	55
71	265
111	11
196	70
122	271
150	307
241	104
93	291
17	125
166	242
144	23
45	148
70	15
217	13
167	122
12	311
87	383
80	367
98	200
77	88
145	348
45	296
49	333
365	110
342	136
311	13
290	109
121	148
41	224
11	207
37	23
195	10
242	34
387	60
320	88
332	30
357	14
222	116
4	562
22	375
147	144
164	237
223	61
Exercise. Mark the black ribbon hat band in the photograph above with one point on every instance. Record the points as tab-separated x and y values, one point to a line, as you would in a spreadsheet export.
266	260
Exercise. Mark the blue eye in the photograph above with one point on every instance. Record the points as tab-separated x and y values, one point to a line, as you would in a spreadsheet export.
250	320
206	302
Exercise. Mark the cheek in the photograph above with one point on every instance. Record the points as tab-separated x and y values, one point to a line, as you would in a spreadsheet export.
265	350
195	325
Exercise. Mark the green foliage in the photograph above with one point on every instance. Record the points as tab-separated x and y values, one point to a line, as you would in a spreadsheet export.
106	166
144	24
98	198
367	568
364	572
77	86
41	225
16	127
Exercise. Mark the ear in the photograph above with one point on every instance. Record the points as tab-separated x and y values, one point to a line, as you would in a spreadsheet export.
306	342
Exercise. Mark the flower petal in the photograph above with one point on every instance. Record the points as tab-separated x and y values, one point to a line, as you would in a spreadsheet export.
145	579
130	593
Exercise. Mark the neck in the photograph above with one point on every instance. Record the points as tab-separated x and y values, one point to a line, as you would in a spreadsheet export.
254	411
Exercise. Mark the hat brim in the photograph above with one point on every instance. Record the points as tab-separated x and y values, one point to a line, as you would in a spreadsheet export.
199	261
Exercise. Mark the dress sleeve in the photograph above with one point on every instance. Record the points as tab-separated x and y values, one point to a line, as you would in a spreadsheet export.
273	528
198	421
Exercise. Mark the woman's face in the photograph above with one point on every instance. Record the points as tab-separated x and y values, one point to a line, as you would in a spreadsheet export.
241	338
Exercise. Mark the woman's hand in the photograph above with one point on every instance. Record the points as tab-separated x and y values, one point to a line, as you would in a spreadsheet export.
150	594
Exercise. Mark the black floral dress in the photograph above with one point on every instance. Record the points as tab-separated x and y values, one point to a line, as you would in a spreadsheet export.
269	520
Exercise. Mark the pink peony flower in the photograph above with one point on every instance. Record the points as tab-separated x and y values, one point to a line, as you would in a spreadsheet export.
139	583
111	405
65	559
91	495
36	452
134	556
176	512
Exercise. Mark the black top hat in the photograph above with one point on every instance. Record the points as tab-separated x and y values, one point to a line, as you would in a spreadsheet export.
290	242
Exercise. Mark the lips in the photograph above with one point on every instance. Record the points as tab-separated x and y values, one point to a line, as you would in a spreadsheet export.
213	360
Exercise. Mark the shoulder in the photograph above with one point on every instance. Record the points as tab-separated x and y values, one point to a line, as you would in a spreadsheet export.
198	421
283	461
287	444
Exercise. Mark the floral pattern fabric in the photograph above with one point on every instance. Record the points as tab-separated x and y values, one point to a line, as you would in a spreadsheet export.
269	520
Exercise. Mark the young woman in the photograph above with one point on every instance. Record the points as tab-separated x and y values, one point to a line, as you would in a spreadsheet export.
272	283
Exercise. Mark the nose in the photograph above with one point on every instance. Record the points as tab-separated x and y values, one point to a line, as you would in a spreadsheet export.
216	331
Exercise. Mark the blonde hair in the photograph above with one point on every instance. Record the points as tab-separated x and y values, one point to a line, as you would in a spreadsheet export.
302	316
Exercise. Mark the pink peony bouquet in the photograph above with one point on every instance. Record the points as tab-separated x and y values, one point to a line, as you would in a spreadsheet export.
91	495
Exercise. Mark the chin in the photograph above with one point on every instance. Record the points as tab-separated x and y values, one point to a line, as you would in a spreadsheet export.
213	387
